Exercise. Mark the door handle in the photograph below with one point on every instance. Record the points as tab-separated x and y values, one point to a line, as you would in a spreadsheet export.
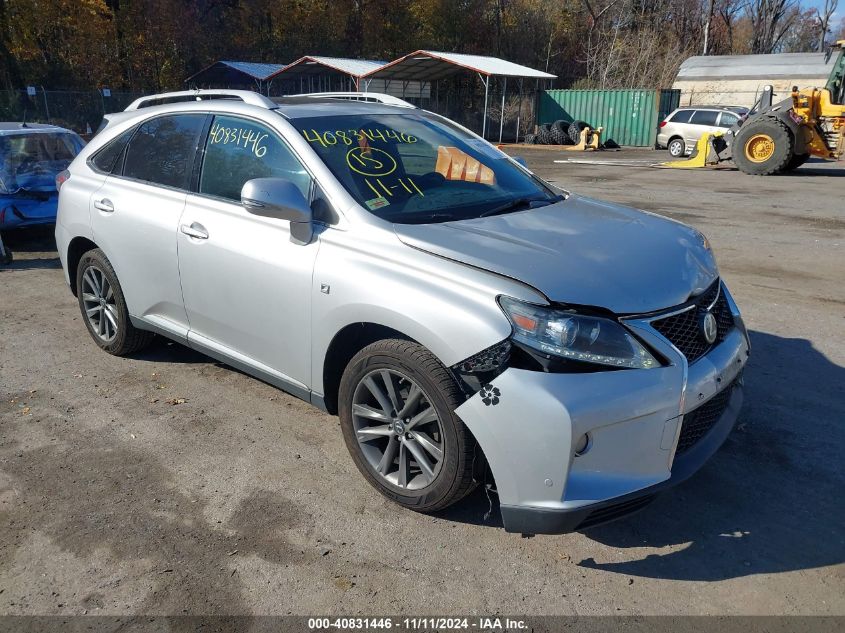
195	230
104	205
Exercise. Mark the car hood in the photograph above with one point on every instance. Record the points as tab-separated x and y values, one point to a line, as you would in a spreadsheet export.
580	251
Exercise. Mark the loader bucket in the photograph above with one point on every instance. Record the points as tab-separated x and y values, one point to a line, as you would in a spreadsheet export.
703	154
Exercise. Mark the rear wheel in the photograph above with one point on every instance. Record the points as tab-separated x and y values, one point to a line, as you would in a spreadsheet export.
677	147
397	411
103	306
763	147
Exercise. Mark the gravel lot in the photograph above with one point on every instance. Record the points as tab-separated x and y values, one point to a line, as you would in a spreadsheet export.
169	484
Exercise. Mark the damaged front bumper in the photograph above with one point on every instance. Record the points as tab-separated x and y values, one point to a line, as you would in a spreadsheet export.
633	422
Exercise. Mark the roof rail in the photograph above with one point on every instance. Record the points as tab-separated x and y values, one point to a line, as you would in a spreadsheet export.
373	97
247	96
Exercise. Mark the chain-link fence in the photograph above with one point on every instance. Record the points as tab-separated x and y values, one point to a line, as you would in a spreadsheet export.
80	111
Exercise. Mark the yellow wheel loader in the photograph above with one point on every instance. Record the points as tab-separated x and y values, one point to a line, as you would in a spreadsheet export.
779	137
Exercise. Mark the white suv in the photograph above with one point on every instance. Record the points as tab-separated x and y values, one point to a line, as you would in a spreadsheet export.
680	131
385	264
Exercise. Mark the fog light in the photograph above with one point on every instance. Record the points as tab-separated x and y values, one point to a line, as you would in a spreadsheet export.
582	445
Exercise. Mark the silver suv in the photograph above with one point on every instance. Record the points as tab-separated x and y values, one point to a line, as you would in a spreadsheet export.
683	127
466	320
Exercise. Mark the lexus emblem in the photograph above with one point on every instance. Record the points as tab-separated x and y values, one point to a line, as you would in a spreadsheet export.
707	323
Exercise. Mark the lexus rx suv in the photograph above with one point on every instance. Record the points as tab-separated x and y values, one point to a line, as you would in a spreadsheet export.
466	320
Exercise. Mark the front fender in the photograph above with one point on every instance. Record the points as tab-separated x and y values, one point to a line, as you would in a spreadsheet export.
372	277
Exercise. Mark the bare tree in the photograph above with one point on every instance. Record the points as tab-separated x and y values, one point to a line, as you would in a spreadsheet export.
728	11
770	21
636	43
823	17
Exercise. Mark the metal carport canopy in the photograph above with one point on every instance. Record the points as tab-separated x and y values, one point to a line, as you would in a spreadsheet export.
425	65
317	65
233	72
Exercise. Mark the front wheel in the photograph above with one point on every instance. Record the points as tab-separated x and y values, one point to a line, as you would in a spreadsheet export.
103	306
763	148
397	411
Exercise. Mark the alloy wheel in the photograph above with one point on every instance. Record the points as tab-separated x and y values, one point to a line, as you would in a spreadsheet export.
99	303
397	429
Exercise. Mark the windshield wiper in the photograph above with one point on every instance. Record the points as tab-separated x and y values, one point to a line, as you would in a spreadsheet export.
516	203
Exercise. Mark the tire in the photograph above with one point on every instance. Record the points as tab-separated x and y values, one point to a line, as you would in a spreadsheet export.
379	453
763	147
544	134
8	258
677	147
575	129
530	139
109	324
559	132
796	161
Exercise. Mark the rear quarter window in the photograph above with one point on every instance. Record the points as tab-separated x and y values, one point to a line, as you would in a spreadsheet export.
106	159
681	116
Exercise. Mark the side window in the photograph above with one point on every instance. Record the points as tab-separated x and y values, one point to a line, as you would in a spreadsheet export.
705	117
163	150
682	116
238	150
728	119
106	160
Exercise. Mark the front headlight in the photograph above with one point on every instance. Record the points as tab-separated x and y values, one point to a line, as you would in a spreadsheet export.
575	336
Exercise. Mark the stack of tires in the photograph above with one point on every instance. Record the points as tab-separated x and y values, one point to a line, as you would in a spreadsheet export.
560	132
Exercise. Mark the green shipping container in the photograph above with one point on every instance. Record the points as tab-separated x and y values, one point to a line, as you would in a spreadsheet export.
629	117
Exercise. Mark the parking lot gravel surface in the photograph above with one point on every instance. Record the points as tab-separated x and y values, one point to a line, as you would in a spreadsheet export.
166	483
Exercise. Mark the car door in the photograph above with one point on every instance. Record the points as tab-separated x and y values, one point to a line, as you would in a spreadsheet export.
135	216
246	285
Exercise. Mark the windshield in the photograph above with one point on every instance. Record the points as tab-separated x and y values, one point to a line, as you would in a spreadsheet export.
30	161
412	168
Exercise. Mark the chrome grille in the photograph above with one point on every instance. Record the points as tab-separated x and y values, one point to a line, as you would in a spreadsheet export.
683	330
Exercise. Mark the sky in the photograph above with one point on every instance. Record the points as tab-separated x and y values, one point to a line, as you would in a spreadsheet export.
840	10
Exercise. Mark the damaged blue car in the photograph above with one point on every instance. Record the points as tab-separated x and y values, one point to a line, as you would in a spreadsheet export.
31	156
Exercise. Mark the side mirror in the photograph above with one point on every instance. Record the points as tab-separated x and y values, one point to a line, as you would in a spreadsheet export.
520	160
280	198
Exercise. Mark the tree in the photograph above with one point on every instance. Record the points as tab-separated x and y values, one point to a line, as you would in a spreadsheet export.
801	35
770	21
728	11
823	17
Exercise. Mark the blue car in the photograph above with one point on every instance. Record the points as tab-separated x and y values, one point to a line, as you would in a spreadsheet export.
31	155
